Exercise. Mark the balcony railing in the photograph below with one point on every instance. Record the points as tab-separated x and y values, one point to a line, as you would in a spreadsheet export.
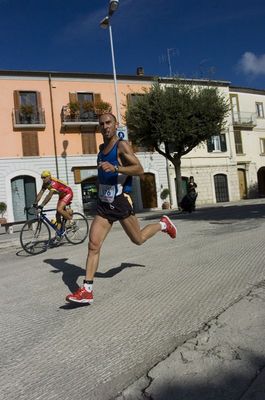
244	119
36	119
79	118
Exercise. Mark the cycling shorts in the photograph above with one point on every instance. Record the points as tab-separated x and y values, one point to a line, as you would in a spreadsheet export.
65	199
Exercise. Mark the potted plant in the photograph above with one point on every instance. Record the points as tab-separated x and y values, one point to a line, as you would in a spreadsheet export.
3	208
27	110
88	105
88	110
164	195
74	109
102	107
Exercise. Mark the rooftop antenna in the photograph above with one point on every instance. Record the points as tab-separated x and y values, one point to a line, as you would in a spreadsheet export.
167	58
169	52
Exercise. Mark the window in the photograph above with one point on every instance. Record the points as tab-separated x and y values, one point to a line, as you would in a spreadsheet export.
28	98
238	142
89	145
262	146
81	97
30	144
133	97
235	107
217	143
27	108
84	99
260	110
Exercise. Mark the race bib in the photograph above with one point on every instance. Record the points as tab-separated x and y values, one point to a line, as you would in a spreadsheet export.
106	193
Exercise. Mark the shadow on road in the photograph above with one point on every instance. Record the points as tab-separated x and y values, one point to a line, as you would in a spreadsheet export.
71	272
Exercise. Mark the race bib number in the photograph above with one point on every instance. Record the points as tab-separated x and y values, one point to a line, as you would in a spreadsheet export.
107	193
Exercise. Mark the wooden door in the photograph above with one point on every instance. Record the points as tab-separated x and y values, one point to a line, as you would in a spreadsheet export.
242	183
148	190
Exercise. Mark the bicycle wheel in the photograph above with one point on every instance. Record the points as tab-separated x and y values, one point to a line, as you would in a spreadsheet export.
77	232
35	236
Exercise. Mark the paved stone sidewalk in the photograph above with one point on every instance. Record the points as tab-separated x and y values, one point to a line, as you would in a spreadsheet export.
225	361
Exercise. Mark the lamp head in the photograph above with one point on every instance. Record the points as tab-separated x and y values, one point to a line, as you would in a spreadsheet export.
113	5
104	23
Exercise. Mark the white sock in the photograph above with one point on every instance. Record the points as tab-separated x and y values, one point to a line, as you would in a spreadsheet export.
88	287
163	226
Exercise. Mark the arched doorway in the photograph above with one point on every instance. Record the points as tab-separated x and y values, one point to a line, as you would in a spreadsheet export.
23	195
261	181
221	188
148	190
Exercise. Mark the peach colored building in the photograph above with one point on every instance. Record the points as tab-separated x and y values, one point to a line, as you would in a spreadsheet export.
47	136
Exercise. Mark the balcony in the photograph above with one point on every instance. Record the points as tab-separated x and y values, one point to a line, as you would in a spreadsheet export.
32	120
78	118
243	120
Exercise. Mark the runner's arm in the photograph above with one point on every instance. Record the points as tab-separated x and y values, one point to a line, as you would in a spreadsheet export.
129	163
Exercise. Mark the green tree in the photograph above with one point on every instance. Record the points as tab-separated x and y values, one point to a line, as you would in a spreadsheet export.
175	118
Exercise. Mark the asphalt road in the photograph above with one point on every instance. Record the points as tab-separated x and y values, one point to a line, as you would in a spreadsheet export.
148	301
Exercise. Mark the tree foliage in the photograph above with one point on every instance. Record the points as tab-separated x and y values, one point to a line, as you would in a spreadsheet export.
179	115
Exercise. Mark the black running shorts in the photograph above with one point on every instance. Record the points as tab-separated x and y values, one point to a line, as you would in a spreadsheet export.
121	208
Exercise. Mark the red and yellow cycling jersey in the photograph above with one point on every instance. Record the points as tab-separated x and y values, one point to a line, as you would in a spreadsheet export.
58	187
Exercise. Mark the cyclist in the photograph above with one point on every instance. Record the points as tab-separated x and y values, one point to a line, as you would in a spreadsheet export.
55	186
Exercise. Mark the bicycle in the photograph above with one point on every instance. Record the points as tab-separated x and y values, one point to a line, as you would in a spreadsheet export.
35	235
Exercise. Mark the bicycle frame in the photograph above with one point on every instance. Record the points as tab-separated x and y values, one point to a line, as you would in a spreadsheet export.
42	216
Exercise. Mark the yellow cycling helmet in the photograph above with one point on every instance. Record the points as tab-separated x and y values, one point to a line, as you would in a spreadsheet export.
45	173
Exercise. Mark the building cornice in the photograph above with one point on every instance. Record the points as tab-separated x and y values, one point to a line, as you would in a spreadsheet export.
103	76
240	89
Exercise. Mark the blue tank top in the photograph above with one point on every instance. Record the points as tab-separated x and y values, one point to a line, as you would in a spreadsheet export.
112	184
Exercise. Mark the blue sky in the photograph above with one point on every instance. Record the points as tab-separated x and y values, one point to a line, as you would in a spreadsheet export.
222	40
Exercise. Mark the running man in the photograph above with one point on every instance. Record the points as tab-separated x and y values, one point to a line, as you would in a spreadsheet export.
117	164
55	186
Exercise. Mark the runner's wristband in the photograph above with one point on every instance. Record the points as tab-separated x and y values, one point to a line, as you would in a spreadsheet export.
116	168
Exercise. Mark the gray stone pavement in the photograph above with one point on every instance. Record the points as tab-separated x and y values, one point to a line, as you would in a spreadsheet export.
173	320
225	360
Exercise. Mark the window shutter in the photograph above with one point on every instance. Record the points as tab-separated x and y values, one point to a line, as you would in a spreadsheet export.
97	97
209	145
73	97
16	99
129	98
30	144
238	142
223	142
89	144
77	175
39	105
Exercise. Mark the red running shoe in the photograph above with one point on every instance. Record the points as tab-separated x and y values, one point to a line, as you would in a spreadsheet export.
171	229
81	296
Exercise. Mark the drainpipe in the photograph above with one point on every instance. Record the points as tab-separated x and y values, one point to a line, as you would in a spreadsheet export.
53	129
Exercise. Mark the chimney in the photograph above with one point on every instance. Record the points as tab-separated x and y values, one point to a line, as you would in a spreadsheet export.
140	71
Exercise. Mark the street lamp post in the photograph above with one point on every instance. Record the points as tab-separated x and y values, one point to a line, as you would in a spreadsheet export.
105	23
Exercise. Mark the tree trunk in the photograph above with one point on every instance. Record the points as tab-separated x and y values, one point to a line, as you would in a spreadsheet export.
177	166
